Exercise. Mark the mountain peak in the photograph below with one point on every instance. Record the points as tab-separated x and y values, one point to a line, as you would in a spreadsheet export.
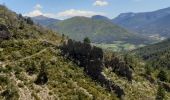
100	17
43	20
41	17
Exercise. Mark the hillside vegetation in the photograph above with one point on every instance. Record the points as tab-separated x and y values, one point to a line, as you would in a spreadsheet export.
39	64
157	63
33	68
157	54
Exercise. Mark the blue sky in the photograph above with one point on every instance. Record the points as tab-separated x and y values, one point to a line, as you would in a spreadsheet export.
68	8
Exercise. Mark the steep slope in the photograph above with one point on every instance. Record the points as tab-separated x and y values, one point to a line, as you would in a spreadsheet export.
44	21
32	67
142	22
157	54
99	31
157	63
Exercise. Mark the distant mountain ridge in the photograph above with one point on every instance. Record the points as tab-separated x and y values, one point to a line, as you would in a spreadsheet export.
160	26
100	17
147	23
44	21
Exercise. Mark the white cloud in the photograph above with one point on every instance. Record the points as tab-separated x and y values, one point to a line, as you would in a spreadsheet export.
100	3
62	15
73	12
38	7
35	12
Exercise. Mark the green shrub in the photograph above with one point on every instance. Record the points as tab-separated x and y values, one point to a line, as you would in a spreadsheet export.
20	85
3	80
160	93
10	93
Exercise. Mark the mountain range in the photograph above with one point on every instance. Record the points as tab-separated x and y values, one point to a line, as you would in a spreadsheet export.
147	23
98	28
153	25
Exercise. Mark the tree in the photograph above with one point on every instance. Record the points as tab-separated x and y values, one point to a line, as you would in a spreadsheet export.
162	76
29	21
148	70
20	16
42	77
160	93
21	25
87	40
63	38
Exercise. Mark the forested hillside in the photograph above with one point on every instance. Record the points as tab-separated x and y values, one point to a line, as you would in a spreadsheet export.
156	59
158	54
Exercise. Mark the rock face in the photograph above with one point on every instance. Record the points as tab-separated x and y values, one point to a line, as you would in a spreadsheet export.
91	58
4	33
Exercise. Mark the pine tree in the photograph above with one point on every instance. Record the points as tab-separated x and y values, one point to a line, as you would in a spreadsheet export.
87	40
148	70
29	21
162	76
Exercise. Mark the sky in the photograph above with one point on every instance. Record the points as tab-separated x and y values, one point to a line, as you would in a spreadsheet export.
62	9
